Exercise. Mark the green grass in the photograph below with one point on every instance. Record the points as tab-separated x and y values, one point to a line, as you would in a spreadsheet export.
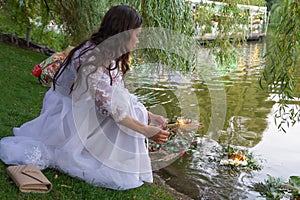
21	101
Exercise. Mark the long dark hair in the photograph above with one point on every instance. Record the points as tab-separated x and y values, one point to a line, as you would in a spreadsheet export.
118	19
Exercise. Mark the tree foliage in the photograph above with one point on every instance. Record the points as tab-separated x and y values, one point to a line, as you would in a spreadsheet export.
248	2
270	4
175	15
229	32
283	55
282	59
15	15
76	19
79	18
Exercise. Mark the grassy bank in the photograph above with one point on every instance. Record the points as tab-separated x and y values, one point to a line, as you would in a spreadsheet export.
21	101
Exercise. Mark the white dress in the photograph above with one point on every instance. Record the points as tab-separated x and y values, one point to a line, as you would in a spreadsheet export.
79	134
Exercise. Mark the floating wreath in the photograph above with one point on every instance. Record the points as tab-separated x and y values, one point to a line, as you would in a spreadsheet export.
237	158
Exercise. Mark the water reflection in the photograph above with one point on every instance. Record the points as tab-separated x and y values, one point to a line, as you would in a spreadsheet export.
247	122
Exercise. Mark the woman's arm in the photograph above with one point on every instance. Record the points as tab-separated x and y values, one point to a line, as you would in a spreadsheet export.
152	132
157	120
114	101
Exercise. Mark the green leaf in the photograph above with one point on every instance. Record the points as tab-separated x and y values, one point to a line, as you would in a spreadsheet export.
295	181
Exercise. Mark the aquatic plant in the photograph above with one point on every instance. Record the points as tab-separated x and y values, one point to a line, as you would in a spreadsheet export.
277	188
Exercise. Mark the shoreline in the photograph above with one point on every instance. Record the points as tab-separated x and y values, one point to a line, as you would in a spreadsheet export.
177	195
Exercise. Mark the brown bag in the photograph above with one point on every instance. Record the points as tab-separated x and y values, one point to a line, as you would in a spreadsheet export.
29	178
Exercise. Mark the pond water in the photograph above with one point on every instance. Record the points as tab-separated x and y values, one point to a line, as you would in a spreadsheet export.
233	110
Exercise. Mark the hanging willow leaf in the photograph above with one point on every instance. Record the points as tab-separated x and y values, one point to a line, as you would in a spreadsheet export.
283	55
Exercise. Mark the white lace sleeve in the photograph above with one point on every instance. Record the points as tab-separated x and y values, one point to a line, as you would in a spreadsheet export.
110	100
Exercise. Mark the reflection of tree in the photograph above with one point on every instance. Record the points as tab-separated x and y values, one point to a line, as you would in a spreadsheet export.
246	105
158	90
163	96
246	114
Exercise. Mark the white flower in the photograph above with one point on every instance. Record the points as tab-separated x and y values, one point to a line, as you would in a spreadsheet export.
224	162
244	163
231	161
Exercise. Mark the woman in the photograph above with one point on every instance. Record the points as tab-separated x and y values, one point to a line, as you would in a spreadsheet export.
90	126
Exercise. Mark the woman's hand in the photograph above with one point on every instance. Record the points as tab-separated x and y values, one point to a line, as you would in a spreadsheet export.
161	137
152	132
157	120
